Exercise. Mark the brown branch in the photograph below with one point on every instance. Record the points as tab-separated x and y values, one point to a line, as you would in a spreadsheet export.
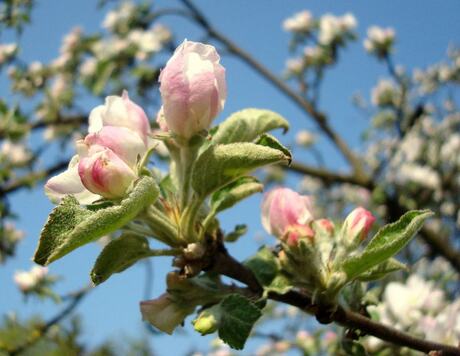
76	121
319	117
228	266
29	179
327	176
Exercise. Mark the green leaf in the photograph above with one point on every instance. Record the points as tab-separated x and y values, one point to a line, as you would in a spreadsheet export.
246	125
234	192
388	241
70	225
237	232
270	141
220	165
118	255
237	317
381	270
264	266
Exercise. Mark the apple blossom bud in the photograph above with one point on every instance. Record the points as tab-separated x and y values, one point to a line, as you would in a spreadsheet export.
124	142
324	226
296	232
121	112
193	88
104	173
357	225
282	207
208	320
161	121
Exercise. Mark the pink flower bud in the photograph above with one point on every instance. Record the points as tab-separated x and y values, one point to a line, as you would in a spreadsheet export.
161	121
193	88
121	112
282	207
103	172
324	226
296	232
124	142
357	224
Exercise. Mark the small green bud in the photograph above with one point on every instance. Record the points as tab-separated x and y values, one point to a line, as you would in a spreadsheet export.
208	320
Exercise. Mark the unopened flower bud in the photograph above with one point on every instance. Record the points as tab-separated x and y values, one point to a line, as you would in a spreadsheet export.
208	320
106	174
294	233
324	226
282	207
357	225
193	88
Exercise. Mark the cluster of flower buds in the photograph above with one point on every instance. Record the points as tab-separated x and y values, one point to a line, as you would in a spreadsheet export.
108	157
334	29
379	41
310	245
302	22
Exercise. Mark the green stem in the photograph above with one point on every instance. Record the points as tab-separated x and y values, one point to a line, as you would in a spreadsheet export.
165	252
161	226
188	219
187	160
206	222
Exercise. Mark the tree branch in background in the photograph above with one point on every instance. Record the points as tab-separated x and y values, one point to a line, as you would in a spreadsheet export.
75	299
28	180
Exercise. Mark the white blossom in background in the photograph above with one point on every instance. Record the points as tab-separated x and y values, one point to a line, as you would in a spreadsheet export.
15	153
12	233
424	176
314	55
88	67
69	43
7	51
301	22
305	138
294	66
28	280
333	28
149	41
119	17
384	93
379	40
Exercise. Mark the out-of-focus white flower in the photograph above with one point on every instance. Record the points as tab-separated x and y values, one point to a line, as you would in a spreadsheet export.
294	66
16	153
150	41
12	233
333	28
28	280
301	22
88	67
384	93
443	327
379	40
422	175
305	138
7	51
120	16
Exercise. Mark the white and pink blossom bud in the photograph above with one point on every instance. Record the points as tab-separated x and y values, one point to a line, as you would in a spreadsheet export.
120	112
193	88
324	226
103	172
282	208
357	225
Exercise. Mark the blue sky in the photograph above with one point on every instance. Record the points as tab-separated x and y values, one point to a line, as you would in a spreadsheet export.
424	30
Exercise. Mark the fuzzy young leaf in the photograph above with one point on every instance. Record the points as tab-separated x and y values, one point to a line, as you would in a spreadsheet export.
70	225
237	232
118	255
237	317
220	165
270	141
388	241
381	270
234	192
246	125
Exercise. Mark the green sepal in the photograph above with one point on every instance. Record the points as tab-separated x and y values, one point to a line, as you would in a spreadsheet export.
237	232
246	125
71	225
